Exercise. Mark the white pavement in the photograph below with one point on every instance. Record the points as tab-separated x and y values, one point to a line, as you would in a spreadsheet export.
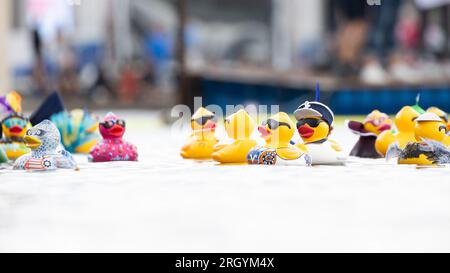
164	203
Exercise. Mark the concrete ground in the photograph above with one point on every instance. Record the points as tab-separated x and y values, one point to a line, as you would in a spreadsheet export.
164	203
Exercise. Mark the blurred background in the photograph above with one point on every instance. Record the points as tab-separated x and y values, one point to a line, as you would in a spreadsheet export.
153	54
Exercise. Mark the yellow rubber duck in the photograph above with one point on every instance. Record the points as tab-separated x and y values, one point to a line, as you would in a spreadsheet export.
277	132
239	126
314	124
428	147
200	144
405	123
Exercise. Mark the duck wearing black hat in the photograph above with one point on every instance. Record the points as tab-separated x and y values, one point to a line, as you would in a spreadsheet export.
315	124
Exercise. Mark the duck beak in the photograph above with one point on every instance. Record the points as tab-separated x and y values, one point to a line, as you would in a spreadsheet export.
384	127
116	131
305	131
210	126
32	142
265	133
16	130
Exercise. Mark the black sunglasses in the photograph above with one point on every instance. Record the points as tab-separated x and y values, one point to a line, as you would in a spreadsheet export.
312	122
273	124
203	120
110	123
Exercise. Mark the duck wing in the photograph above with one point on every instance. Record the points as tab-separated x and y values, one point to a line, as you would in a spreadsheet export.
441	154
393	151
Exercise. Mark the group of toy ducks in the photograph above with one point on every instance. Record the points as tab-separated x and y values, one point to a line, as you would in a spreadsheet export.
420	137
46	140
314	124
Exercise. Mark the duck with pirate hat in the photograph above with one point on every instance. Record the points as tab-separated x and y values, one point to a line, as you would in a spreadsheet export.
278	131
315	124
368	130
201	142
430	146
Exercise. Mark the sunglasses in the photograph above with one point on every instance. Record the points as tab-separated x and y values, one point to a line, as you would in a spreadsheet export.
312	122
110	123
273	124
376	122
15	122
203	120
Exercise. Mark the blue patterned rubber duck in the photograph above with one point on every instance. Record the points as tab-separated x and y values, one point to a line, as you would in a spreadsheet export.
47	153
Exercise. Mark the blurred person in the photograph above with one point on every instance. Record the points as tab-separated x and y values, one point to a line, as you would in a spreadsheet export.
46	18
350	35
381	42
38	70
65	61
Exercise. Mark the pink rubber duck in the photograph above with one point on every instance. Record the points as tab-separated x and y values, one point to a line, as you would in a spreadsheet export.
112	147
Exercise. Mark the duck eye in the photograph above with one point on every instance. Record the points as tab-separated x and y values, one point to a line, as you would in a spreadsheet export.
121	123
39	132
29	133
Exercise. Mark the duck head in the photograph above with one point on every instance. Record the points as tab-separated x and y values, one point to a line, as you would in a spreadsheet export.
239	125
43	137
405	120
314	121
313	129
203	121
277	131
15	126
441	114
430	126
112	127
377	122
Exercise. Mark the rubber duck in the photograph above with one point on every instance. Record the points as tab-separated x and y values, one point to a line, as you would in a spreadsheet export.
374	124
428	149
200	144
47	152
112	147
78	130
277	132
239	127
315	124
15	124
14	128
405	121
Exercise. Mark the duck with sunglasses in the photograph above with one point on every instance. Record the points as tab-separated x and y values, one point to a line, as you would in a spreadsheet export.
314	124
14	128
278	131
112	147
201	142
